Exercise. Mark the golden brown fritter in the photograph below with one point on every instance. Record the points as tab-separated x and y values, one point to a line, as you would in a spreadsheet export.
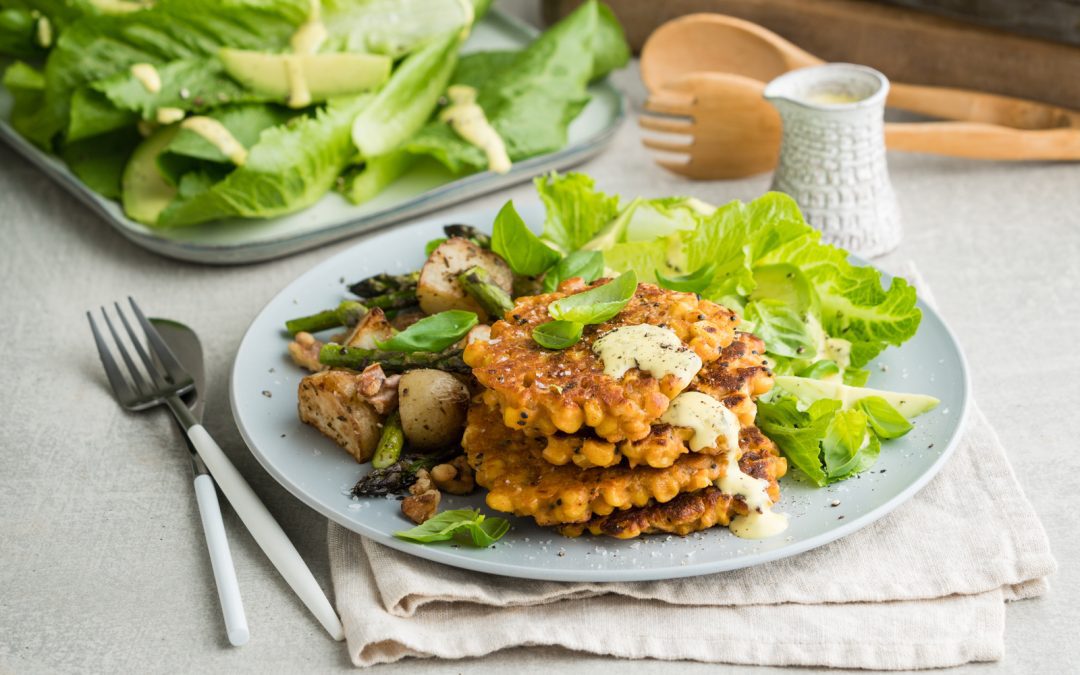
693	511
520	481
737	378
542	391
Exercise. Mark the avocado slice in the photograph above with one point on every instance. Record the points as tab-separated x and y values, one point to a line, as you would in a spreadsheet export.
303	79
144	192
808	391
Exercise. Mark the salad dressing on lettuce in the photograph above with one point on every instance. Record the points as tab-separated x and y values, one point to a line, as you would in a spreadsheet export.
215	133
148	76
710	420
306	40
657	351
467	119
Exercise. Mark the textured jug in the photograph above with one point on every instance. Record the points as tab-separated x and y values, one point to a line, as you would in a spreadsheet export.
832	156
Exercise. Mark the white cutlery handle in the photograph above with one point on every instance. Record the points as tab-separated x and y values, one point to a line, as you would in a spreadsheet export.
268	534
221	560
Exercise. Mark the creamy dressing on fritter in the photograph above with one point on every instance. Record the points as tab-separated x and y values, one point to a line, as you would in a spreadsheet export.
148	77
467	119
655	350
711	420
219	136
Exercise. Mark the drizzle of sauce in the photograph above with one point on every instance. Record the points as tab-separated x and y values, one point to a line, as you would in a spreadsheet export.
299	94
655	350
219	136
312	33
169	115
710	420
43	32
148	77
467	119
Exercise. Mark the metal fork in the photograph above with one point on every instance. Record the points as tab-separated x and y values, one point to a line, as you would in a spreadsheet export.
163	385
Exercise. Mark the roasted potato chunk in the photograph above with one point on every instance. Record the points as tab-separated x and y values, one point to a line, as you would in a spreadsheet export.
433	405
438	289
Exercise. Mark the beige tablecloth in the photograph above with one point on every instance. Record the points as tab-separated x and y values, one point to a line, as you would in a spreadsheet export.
924	587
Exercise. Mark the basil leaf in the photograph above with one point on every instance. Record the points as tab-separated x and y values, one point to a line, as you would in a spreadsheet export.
695	282
596	305
589	265
441	526
487	531
819	370
430	247
557	334
885	420
482	531
519	247
432	333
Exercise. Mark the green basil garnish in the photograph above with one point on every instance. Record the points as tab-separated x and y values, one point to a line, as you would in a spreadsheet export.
589	265
695	282
432	333
519	247
885	420
596	305
481	530
557	334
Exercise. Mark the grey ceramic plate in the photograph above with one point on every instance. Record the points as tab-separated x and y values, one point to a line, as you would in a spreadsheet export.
320	474
423	189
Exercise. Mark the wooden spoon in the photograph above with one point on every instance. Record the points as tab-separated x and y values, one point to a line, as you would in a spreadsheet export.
735	132
719	43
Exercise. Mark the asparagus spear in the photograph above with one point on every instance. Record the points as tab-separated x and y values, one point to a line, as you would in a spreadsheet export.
384	283
339	356
396	478
393	299
390	442
468	232
348	313
477	282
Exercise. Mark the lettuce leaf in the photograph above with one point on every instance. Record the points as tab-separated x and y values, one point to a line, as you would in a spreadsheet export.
531	99
575	210
291	167
96	47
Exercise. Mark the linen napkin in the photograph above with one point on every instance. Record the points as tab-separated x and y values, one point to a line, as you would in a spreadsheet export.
924	587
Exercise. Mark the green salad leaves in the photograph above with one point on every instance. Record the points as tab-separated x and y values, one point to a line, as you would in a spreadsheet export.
465	525
331	94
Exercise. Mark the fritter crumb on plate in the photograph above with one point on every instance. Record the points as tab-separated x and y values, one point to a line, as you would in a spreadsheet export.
541	391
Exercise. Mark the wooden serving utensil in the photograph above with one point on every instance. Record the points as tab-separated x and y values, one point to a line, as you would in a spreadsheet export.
735	132
724	44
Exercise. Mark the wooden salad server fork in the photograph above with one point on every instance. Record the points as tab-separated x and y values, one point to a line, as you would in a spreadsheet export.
718	43
734	132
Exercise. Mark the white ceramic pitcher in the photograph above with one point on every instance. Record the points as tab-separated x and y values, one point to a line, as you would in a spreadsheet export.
832	156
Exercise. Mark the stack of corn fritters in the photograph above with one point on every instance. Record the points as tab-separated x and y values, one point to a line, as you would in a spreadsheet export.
553	437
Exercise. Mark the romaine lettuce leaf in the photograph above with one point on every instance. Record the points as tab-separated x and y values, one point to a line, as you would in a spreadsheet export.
395	27
798	433
291	167
575	209
531	100
854	305
781	327
18	34
99	161
95	47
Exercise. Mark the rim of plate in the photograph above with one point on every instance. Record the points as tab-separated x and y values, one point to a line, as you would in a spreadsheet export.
448	556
